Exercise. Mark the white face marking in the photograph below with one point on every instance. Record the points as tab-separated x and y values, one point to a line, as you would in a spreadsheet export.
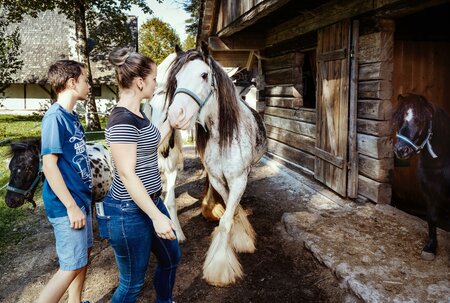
409	115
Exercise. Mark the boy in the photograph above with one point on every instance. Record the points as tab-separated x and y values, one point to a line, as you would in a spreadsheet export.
67	190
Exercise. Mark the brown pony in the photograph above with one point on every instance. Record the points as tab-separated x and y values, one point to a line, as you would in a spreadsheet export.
425	129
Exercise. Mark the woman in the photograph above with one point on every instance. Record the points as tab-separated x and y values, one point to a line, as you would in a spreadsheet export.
132	216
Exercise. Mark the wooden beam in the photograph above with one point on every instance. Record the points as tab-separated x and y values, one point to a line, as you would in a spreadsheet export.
375	128
292	139
375	147
375	191
302	114
244	42
298	127
251	17
375	109
381	170
283	91
295	103
291	154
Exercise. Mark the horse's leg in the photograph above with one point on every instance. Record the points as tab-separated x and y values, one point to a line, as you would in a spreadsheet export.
170	202
242	233
429	250
221	266
213	206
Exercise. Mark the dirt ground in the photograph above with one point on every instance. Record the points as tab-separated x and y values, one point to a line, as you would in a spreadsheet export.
287	217
280	270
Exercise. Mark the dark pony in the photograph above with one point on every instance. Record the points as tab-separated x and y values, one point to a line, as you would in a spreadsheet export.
228	105
25	169
425	129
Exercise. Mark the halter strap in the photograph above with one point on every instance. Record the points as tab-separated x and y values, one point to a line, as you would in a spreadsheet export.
32	186
418	148
190	93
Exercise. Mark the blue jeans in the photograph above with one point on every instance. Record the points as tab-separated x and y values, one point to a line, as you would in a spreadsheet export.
131	234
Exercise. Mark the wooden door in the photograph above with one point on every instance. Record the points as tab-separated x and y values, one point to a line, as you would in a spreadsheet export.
333	66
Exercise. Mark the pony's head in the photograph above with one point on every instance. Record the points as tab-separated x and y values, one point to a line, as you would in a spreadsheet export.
412	119
25	172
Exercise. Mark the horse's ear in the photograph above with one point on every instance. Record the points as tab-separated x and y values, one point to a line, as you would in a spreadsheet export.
400	98
178	48
204	49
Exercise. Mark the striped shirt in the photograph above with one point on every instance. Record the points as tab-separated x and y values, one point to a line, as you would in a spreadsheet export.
124	127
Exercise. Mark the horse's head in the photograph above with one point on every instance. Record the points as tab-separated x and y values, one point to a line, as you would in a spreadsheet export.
25	172
190	85
412	118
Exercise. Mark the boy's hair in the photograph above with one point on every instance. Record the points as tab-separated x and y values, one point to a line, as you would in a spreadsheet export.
61	71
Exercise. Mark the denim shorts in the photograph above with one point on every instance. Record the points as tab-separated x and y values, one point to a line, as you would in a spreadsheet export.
72	244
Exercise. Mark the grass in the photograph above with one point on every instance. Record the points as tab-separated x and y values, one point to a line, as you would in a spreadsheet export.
14	223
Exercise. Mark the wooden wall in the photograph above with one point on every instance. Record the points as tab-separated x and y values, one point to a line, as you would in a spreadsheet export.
375	146
422	68
291	129
230	10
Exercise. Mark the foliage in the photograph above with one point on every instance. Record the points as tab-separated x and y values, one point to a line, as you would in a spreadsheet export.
193	8
157	39
9	53
189	42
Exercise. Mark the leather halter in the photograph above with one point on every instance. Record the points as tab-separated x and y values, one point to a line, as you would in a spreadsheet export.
27	192
418	148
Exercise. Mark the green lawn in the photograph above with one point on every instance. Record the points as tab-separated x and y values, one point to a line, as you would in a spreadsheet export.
14	222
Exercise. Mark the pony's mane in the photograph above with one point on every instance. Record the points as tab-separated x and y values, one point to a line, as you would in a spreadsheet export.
226	95
423	110
24	145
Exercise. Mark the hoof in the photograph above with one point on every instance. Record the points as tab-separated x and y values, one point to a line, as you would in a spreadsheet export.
428	256
213	214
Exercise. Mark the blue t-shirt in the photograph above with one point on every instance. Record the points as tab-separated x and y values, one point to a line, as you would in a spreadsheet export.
63	135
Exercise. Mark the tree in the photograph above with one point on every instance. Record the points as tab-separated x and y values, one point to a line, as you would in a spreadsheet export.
105	21
193	8
189	42
9	53
157	39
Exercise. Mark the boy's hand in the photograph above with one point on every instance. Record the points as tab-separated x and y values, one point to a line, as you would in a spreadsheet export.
76	217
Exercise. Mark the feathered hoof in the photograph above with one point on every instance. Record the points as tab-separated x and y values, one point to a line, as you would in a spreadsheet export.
221	267
222	273
428	256
243	243
214	213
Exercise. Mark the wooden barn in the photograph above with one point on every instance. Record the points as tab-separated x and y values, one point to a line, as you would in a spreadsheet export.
328	74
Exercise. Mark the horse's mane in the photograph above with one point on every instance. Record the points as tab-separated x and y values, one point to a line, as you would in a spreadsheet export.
25	144
423	110
226	95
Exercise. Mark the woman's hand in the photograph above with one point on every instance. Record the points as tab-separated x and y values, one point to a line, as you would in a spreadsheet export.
164	227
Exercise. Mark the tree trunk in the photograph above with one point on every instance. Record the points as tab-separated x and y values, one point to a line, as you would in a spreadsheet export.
92	120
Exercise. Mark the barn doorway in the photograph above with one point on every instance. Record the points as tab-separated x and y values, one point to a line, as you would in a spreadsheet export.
421	66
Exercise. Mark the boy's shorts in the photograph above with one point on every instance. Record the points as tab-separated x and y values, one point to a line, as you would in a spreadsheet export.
72	244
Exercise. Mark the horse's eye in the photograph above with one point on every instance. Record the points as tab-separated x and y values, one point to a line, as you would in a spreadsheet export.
205	76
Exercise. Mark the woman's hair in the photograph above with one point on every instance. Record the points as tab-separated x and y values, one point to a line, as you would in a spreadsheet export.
61	71
129	65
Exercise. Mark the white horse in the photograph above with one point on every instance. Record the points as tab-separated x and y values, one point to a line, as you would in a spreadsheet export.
230	139
170	156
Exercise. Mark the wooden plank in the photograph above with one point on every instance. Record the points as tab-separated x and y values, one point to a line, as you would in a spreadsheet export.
375	89
375	128
298	127
375	147
330	158
245	42
337	54
291	154
285	91
375	191
284	102
302	114
376	47
319	17
381	170
292	139
375	109
289	75
251	17
352	175
289	60
375	71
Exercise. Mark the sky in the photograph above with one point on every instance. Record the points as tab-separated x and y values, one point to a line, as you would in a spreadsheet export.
169	11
